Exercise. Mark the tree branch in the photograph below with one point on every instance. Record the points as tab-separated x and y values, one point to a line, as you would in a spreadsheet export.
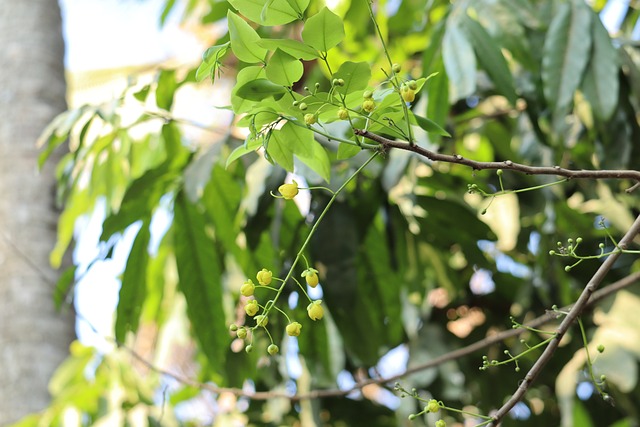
507	164
570	318
454	355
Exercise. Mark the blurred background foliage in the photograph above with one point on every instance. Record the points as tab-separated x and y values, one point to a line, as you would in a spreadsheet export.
409	267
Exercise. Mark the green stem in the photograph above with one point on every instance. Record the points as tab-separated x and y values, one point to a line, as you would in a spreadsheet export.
313	230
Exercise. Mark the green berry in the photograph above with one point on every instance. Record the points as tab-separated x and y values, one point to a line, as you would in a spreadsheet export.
242	333
412	85
302	106
396	68
367	94
248	348
600	348
233	327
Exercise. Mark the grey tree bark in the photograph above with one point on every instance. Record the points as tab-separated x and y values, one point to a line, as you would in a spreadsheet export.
34	337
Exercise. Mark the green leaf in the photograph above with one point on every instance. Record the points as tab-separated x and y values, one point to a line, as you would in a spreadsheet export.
64	283
459	62
167	86
298	140
133	289
438	96
299	5
139	200
356	76
566	53
279	12
346	151
248	74
601	82
491	58
199	272
211	61
323	30
259	89
250	146
244	40
429	125
284	69
294	48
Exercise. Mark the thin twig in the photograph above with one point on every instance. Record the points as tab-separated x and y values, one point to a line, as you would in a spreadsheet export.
570	318
453	355
507	164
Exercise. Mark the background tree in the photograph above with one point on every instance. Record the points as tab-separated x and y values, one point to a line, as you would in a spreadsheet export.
427	250
34	337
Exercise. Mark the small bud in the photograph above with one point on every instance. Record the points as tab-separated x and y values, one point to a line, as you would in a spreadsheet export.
289	191
340	82
242	333
603	378
367	94
408	95
233	327
579	240
302	106
273	349
343	114
567	268
552	252
432	406
264	277
441	423
248	348
317	85
334	82
311	276
293	329
499	172
396	68
600	348
315	310
368	105
251	308
295	103
309	119
262	320
247	288
601	245
412	417
412	85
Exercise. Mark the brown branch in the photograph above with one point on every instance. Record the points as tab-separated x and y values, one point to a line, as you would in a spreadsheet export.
454	355
507	164
570	318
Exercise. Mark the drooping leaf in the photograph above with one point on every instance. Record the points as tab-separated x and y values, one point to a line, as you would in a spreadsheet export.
279	12
250	146
133	289
244	40
284	69
63	285
248	74
199	273
566	53
491	58
601	82
429	125
294	48
459	61
323	30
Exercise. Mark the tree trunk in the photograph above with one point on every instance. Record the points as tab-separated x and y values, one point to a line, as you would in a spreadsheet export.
34	338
